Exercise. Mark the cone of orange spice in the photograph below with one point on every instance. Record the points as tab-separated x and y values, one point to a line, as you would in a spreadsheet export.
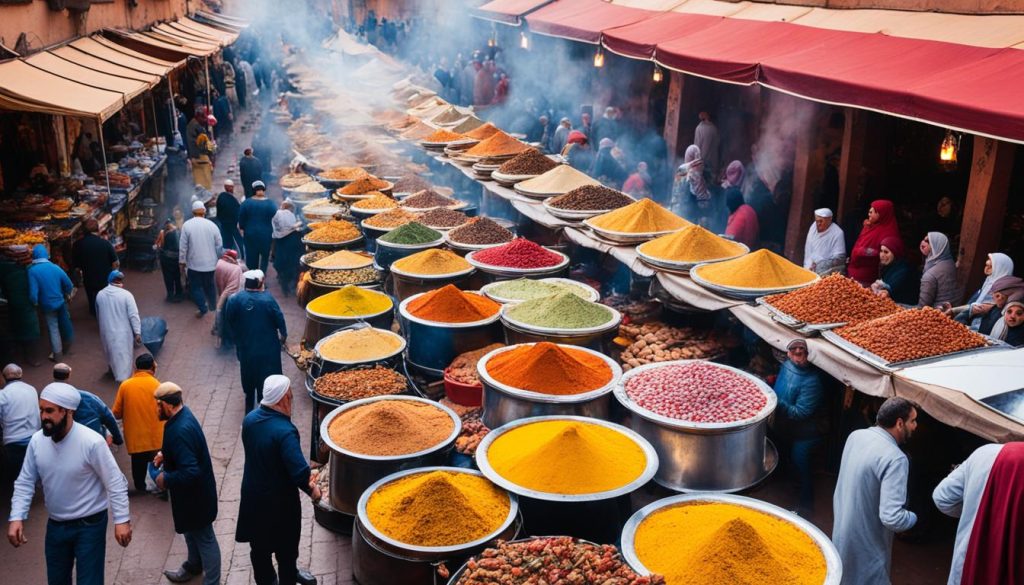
499	144
450	305
549	368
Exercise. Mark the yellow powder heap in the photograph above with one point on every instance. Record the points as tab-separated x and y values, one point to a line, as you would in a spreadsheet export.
344	259
644	216
558	180
376	200
691	244
432	262
360	345
567	457
711	543
350	301
760	269
498	144
438	508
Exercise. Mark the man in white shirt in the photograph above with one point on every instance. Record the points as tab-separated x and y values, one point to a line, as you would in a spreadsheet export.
19	418
825	247
199	248
80	480
871	494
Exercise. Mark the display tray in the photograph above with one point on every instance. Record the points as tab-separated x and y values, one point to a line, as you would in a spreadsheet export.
745	294
793	323
679	267
575	215
624	238
889	367
509	180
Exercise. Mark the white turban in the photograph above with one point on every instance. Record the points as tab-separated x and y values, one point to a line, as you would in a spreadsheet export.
61	394
823	212
274	389
197	205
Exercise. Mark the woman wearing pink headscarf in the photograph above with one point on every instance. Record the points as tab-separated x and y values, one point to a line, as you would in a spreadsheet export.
880	224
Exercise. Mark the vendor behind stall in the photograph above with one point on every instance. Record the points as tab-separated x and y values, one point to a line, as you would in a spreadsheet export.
94	257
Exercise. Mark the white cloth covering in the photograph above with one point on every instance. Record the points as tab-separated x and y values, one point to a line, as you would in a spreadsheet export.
823	247
959	496
200	245
19	411
62	394
274	389
119	321
284	223
870	505
79	475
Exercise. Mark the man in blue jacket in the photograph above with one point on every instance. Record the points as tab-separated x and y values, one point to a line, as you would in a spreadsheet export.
797	417
269	514
253	321
48	288
188	476
92	411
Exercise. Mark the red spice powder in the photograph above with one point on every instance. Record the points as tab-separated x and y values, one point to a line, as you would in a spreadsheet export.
519	253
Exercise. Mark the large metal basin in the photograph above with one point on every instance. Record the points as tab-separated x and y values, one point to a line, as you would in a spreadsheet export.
591	337
705	457
833	564
504	404
432	346
352	473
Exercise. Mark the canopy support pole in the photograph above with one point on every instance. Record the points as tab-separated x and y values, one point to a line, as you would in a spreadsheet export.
103	149
174	107
209	96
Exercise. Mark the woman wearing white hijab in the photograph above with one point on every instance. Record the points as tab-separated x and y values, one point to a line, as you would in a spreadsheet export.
938	283
981	302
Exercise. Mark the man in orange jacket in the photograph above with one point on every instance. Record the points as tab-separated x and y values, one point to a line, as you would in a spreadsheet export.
135	405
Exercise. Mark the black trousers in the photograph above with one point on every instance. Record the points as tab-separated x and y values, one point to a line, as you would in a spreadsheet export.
90	293
172	277
284	546
140	464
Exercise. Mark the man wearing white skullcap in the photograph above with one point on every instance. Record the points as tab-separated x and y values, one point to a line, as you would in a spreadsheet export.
80	481
269	513
253	321
825	247
199	247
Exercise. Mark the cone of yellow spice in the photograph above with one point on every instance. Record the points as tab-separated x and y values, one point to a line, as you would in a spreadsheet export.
432	262
691	244
438	508
643	217
566	457
350	301
712	542
762	269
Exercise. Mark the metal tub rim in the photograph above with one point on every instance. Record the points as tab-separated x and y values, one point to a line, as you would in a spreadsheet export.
532	396
646	475
833	564
689	426
317	315
423	246
519	326
513	513
356	327
325	434
429	277
508	271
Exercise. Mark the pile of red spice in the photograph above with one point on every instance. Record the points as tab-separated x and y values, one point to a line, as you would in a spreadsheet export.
519	253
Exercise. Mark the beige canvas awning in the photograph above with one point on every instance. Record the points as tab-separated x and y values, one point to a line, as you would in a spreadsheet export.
27	88
223	20
228	36
161	44
185	36
108	50
201	49
46	61
86	60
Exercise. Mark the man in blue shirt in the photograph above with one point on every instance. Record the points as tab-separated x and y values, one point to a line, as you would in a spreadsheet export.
269	513
800	398
253	321
48	288
92	411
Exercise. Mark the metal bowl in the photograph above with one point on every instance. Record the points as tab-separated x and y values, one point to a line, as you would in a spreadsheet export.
742	293
342	363
308	263
320	325
684	266
466	248
388	253
593	295
433	345
432	552
507	272
503	403
833	564
705	457
352	473
626	238
485	465
613	322
333	245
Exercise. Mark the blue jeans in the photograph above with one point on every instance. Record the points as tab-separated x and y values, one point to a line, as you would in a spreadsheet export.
203	554
79	544
58	324
203	289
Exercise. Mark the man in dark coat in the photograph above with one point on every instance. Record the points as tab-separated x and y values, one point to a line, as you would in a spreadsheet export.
227	217
250	170
188	476
95	258
269	514
253	321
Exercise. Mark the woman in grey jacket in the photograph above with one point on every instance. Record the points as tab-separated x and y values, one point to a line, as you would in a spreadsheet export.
938	283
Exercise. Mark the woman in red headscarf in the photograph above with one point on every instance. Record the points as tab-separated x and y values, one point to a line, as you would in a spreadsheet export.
880	224
577	151
896	279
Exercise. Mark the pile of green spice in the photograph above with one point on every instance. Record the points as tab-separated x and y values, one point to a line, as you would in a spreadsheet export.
411	233
524	289
563	310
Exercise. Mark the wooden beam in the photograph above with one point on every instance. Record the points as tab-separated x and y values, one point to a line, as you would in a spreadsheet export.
985	208
673	107
851	161
808	173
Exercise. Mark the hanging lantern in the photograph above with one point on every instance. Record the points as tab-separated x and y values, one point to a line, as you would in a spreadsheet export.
950	146
524	41
658	74
599	57
492	42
